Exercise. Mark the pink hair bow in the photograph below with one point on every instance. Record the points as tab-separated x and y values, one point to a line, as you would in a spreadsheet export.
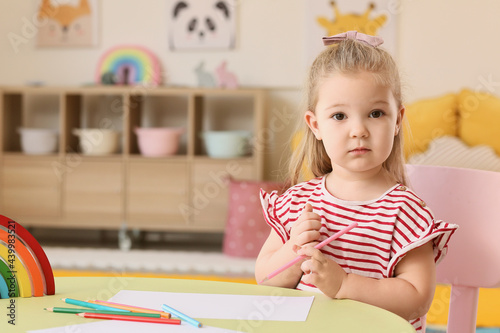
370	40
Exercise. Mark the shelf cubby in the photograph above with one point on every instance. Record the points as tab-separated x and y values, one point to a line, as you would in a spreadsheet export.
75	190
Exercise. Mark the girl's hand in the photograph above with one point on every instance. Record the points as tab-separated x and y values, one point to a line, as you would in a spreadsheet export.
321	271
306	230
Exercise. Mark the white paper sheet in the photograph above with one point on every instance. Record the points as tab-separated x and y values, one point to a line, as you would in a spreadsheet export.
214	306
219	306
107	326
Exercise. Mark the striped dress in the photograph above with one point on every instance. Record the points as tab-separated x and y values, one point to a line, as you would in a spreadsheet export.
388	227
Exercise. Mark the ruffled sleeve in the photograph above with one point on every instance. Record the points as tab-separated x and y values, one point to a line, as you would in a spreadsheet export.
269	203
414	227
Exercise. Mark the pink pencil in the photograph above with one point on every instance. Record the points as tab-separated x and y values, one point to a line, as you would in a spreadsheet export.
317	246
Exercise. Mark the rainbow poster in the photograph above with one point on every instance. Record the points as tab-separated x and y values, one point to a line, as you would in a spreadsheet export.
129	64
25	270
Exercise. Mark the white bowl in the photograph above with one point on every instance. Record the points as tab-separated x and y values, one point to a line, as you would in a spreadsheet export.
226	144
98	141
38	141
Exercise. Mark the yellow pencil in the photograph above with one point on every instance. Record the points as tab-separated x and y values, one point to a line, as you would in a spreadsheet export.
131	308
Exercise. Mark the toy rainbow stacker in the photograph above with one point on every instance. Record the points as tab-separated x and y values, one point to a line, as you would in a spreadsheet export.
24	268
129	64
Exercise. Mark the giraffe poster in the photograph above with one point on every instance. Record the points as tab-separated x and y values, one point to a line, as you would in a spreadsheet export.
326	18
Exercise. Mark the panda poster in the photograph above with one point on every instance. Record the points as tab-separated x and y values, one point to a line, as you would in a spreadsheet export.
67	23
201	24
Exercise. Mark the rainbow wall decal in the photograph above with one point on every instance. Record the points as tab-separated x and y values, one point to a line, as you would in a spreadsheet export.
24	268
130	64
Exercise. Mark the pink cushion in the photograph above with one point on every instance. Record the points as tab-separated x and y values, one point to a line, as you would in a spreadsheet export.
246	229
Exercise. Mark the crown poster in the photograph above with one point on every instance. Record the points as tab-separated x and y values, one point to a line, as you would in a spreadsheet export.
327	18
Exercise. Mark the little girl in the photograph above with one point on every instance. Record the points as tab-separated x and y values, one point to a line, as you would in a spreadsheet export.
353	146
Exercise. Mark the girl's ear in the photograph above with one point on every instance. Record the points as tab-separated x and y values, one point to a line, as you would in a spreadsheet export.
312	122
399	121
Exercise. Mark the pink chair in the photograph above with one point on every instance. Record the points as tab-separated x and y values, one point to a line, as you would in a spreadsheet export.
471	199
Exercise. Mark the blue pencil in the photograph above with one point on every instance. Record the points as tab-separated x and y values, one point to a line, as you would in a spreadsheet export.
91	305
181	315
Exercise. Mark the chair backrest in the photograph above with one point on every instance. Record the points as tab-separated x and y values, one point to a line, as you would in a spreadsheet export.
471	199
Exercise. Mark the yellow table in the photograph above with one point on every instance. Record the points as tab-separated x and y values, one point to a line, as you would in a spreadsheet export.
326	315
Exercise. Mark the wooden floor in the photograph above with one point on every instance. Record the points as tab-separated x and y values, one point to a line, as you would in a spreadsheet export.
63	273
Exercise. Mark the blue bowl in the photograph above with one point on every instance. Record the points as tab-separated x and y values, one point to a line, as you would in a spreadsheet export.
227	144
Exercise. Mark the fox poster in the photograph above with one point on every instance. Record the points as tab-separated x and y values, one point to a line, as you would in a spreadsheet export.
67	23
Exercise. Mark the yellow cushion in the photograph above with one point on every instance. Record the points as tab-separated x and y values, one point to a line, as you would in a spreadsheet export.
297	137
487	310
479	119
429	119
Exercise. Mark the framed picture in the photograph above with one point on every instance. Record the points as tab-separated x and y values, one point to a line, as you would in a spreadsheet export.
327	18
201	24
67	23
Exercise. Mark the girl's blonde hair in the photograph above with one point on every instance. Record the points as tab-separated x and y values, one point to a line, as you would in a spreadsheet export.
347	57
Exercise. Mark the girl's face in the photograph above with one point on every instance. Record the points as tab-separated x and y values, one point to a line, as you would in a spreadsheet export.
357	119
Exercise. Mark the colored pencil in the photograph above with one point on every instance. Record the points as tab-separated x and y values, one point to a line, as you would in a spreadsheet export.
317	246
181	315
76	310
129	318
91	305
132	308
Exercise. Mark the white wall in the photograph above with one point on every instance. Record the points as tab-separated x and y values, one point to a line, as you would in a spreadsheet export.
266	34
447	45
444	45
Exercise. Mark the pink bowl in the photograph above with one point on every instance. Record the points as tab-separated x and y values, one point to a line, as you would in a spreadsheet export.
159	141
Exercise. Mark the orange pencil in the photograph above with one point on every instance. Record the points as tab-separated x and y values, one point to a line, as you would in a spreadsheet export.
130	318
131	308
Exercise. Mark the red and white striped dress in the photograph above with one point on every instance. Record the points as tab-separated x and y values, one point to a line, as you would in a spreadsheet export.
388	227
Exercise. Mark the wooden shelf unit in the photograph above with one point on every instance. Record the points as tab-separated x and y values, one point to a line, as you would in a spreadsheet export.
183	192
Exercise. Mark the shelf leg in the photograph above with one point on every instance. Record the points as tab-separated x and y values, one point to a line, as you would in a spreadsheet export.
124	240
